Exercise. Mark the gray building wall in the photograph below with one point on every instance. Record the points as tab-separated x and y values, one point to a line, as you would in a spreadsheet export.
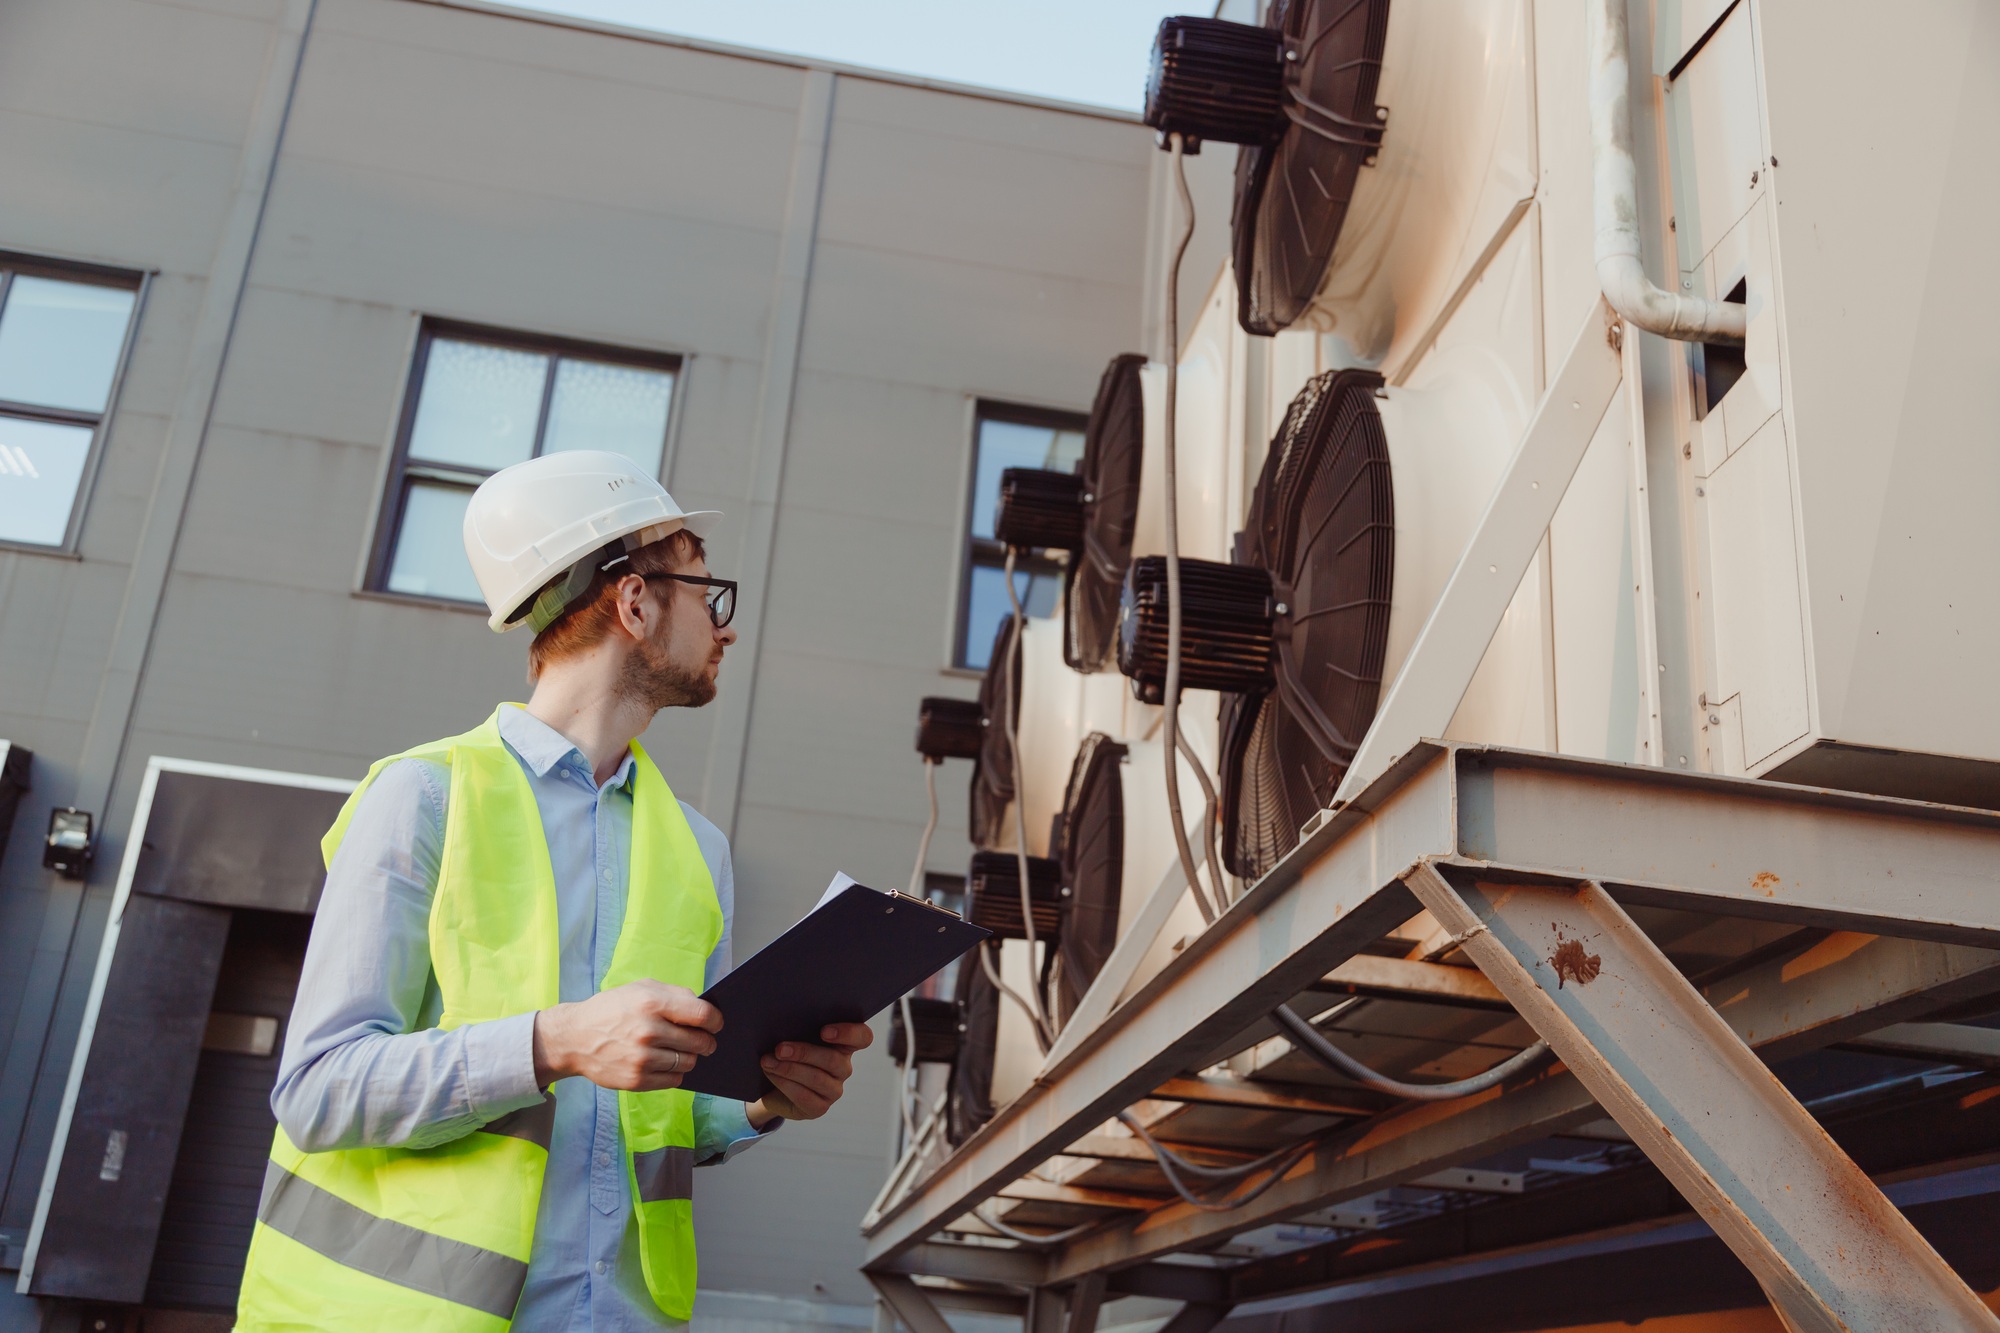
846	260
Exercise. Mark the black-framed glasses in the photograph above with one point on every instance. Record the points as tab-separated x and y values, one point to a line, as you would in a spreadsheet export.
721	599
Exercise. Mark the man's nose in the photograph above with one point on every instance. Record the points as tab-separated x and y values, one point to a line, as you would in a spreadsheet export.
726	635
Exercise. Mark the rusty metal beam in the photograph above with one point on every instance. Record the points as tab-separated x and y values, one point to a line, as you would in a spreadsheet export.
1411	979
1221	1090
910	1303
1783	1007
1830	1251
1736	846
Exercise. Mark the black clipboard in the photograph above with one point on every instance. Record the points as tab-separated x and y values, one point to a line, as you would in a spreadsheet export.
847	960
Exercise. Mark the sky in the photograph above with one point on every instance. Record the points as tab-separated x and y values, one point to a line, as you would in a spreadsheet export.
1092	51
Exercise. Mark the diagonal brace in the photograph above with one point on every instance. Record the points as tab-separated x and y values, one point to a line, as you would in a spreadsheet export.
1830	1251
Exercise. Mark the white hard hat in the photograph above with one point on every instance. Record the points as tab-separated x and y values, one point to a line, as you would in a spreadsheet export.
530	523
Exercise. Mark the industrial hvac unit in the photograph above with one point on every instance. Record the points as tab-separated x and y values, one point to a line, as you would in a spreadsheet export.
1841	463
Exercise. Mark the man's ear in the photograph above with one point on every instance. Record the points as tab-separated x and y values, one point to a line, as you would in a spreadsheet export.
634	610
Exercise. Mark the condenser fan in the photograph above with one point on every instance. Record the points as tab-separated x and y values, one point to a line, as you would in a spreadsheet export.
1091	849
1113	446
1323	525
1292	194
993	769
970	1103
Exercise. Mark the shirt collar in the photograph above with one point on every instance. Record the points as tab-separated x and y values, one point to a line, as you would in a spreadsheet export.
541	747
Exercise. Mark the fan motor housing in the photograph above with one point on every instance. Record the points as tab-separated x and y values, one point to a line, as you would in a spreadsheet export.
1213	79
1040	508
936	1025
950	728
994	886
1226	621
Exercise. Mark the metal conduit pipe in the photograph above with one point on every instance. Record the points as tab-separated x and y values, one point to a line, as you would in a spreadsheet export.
1615	202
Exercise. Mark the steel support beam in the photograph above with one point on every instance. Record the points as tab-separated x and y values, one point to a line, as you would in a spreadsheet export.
911	1305
1783	1007
1977	1048
1830	1251
1736	846
1086	1298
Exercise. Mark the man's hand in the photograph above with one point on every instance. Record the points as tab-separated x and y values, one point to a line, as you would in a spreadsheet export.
640	1036
809	1079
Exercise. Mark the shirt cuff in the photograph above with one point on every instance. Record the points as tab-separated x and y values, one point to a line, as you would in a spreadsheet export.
723	1129
499	1066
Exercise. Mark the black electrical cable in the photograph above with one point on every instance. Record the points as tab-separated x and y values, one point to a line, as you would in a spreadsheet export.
1281	1162
1308	1039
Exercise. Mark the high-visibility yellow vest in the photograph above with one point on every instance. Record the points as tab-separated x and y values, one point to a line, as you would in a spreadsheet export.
436	1240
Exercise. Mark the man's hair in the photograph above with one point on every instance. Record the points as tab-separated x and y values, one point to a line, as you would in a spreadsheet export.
586	622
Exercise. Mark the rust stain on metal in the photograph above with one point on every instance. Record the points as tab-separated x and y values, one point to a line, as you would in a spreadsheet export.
1765	883
1573	964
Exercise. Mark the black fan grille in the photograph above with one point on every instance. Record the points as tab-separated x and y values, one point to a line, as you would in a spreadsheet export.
1092	853
994	885
1292	197
1225	627
993	768
1113	447
1039	509
1323	524
949	729
970	1104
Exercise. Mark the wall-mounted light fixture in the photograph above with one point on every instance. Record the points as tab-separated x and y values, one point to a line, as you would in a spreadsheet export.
69	849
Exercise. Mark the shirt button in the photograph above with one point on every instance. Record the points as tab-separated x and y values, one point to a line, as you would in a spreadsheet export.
600	1268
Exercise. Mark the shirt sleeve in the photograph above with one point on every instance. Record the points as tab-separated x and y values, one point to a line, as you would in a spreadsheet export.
721	1125
362	1065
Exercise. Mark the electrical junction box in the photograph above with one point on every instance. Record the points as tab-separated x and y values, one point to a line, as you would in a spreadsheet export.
1844	476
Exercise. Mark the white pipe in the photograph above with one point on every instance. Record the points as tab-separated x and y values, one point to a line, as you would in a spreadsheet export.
1615	201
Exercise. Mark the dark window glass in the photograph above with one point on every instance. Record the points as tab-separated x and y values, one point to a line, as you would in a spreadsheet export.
481	399
62	339
1005	437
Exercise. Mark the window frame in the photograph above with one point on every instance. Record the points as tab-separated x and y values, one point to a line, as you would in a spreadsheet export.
400	471
984	552
15	263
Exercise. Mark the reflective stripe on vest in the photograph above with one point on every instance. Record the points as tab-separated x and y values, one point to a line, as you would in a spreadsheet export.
438	1239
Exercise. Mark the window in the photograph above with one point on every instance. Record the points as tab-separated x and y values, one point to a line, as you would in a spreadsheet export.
63	333
481	399
1004	437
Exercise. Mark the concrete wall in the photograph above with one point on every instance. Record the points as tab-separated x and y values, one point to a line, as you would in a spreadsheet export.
846	261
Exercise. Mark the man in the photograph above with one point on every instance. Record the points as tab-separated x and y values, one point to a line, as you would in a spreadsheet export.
481	1124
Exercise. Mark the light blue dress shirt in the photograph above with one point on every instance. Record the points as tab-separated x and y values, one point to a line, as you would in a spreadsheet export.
365	1065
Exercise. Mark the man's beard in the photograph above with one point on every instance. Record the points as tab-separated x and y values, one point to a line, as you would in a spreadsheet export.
651	677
